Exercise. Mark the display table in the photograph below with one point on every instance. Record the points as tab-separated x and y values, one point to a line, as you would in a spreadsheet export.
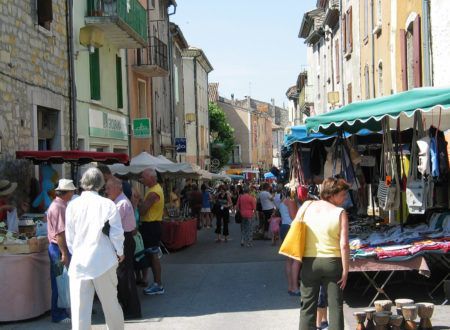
25	291
375	266
177	234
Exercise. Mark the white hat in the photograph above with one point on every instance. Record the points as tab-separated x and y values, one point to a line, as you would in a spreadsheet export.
65	185
7	187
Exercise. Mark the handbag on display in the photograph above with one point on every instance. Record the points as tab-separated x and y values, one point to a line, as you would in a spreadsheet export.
388	192
416	188
293	245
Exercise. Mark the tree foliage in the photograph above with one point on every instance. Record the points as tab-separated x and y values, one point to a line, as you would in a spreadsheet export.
222	142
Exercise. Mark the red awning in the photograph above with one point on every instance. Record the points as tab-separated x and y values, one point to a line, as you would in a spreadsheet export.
72	156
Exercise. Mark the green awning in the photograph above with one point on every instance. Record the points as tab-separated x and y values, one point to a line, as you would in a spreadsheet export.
368	114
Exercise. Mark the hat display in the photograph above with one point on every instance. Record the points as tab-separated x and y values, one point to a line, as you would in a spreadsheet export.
7	187
65	185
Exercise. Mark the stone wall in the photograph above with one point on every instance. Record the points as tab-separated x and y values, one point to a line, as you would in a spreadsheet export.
33	68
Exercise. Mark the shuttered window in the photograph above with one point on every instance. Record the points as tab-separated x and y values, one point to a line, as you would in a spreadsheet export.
338	64
119	82
367	81
344	34
417	53
349	93
94	74
350	30
404	70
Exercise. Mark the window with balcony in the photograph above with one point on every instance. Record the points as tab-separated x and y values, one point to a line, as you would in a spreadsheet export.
94	74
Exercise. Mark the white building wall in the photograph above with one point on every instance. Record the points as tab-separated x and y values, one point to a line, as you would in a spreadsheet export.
189	105
440	30
351	66
202	102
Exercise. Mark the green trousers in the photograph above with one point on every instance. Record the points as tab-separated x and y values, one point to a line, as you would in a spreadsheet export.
314	272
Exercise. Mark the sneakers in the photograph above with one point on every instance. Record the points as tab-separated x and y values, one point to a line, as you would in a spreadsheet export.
294	293
154	289
323	325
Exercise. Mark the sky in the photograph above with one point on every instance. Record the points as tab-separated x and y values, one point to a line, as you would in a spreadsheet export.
253	45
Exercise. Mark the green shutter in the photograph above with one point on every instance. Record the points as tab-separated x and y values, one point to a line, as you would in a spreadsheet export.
119	82
94	74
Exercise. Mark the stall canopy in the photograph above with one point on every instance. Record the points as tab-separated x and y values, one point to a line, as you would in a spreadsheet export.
164	166
298	134
368	114
72	156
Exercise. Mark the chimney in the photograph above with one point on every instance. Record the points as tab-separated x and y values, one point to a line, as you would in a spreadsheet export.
232	97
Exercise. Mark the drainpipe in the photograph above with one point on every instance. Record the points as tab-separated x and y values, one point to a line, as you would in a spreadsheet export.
72	86
171	78
341	53
196	109
130	135
373	50
426	43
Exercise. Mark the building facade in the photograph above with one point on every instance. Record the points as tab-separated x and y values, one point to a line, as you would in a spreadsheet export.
102	33
35	88
196	68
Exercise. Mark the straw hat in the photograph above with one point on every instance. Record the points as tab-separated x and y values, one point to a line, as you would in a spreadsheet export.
65	185
7	187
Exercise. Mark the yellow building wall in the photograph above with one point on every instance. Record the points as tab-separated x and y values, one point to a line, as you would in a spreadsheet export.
404	10
381	45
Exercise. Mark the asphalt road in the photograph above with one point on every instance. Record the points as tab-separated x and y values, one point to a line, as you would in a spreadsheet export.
222	286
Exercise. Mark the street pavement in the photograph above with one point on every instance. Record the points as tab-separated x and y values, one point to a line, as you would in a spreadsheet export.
222	286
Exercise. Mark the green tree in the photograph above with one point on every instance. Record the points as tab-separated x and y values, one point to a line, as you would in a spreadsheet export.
222	141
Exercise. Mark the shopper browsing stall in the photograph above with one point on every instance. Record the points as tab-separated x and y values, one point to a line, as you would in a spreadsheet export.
57	247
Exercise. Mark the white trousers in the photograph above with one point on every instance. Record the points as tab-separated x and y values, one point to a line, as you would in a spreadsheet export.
82	297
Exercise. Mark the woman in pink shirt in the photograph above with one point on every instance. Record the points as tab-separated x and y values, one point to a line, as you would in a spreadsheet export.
246	205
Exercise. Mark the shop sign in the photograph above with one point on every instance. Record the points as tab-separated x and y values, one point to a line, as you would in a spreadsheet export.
180	145
105	125
141	128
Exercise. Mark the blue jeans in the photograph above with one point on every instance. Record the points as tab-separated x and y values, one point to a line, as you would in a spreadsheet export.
58	314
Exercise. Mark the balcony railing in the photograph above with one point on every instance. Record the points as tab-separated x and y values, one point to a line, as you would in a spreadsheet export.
127	15
152	61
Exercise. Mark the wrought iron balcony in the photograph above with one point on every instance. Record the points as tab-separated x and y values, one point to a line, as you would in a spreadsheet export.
124	22
152	61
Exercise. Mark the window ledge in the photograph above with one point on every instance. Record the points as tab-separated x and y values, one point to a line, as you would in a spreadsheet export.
98	102
44	31
377	29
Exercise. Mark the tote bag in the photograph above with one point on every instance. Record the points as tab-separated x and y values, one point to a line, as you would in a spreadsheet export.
293	245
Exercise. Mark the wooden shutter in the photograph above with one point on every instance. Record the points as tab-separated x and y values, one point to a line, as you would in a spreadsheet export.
417	52
94	74
350	30
338	66
403	60
44	11
349	93
344	34
119	82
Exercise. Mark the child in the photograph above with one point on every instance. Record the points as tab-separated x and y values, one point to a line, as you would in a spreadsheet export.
274	225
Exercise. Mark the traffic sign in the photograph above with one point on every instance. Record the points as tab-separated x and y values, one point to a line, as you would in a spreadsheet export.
180	145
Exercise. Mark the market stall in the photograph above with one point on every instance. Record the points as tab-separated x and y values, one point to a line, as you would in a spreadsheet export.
399	176
177	230
24	261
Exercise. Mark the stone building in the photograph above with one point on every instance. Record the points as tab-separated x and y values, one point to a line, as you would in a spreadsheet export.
196	68
35	85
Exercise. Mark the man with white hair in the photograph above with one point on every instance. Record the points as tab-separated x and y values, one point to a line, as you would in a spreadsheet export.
151	210
94	254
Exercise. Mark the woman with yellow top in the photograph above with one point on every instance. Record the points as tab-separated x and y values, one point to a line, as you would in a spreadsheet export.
326	256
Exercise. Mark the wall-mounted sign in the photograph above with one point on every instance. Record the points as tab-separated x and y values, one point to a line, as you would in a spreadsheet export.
105	125
141	128
180	145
